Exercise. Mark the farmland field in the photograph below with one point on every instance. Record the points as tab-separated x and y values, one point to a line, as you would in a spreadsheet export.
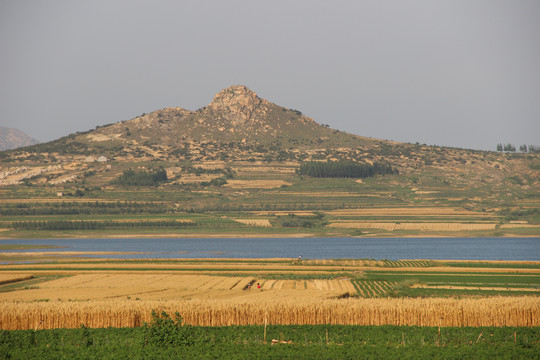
214	292
276	204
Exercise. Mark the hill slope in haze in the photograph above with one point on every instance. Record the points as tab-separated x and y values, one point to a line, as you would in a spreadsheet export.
13	138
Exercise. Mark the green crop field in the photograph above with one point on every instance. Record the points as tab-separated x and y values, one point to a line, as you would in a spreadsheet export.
165	340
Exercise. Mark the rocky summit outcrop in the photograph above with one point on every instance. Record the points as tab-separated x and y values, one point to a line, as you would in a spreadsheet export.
236	114
13	138
237	106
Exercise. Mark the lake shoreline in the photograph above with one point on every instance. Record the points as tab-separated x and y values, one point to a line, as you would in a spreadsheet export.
260	235
436	248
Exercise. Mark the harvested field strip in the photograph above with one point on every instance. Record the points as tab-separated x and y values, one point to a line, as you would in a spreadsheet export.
405	263
255	222
456	271
100	281
258	184
316	284
472	287
373	288
388	286
458	278
328	194
418	211
369	293
392	226
505	285
463	280
9	278
283	213
490	264
356	287
292	268
443	275
512	226
246	262
88	267
208	261
269	284
340	262
377	288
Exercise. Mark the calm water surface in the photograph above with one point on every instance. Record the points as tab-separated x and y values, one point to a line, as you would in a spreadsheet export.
308	248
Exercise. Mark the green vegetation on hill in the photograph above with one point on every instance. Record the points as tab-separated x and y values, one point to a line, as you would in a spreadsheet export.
142	177
343	169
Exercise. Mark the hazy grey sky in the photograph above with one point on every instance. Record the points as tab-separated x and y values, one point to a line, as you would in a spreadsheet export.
462	73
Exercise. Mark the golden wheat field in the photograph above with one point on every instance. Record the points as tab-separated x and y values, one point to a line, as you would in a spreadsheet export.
102	286
214	292
522	311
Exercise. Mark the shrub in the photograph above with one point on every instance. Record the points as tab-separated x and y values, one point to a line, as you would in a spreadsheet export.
166	331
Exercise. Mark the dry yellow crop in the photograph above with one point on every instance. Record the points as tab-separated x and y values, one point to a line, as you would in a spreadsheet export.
257	184
431	226
512	226
507	311
255	222
250	170
160	286
406	211
9	278
281	213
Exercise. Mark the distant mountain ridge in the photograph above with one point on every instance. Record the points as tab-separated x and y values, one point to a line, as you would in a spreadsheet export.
13	138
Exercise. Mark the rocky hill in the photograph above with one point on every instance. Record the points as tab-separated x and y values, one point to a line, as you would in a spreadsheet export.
236	114
238	128
13	138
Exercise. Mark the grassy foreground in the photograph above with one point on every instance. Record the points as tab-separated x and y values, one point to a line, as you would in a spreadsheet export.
165	340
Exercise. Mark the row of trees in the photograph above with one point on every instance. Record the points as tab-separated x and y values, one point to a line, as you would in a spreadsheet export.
532	149
94	225
142	177
75	208
343	169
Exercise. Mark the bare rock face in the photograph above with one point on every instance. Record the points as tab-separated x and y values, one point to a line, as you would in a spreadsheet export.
238	106
13	138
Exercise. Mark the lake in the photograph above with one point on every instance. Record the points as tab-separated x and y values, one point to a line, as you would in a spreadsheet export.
524	249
